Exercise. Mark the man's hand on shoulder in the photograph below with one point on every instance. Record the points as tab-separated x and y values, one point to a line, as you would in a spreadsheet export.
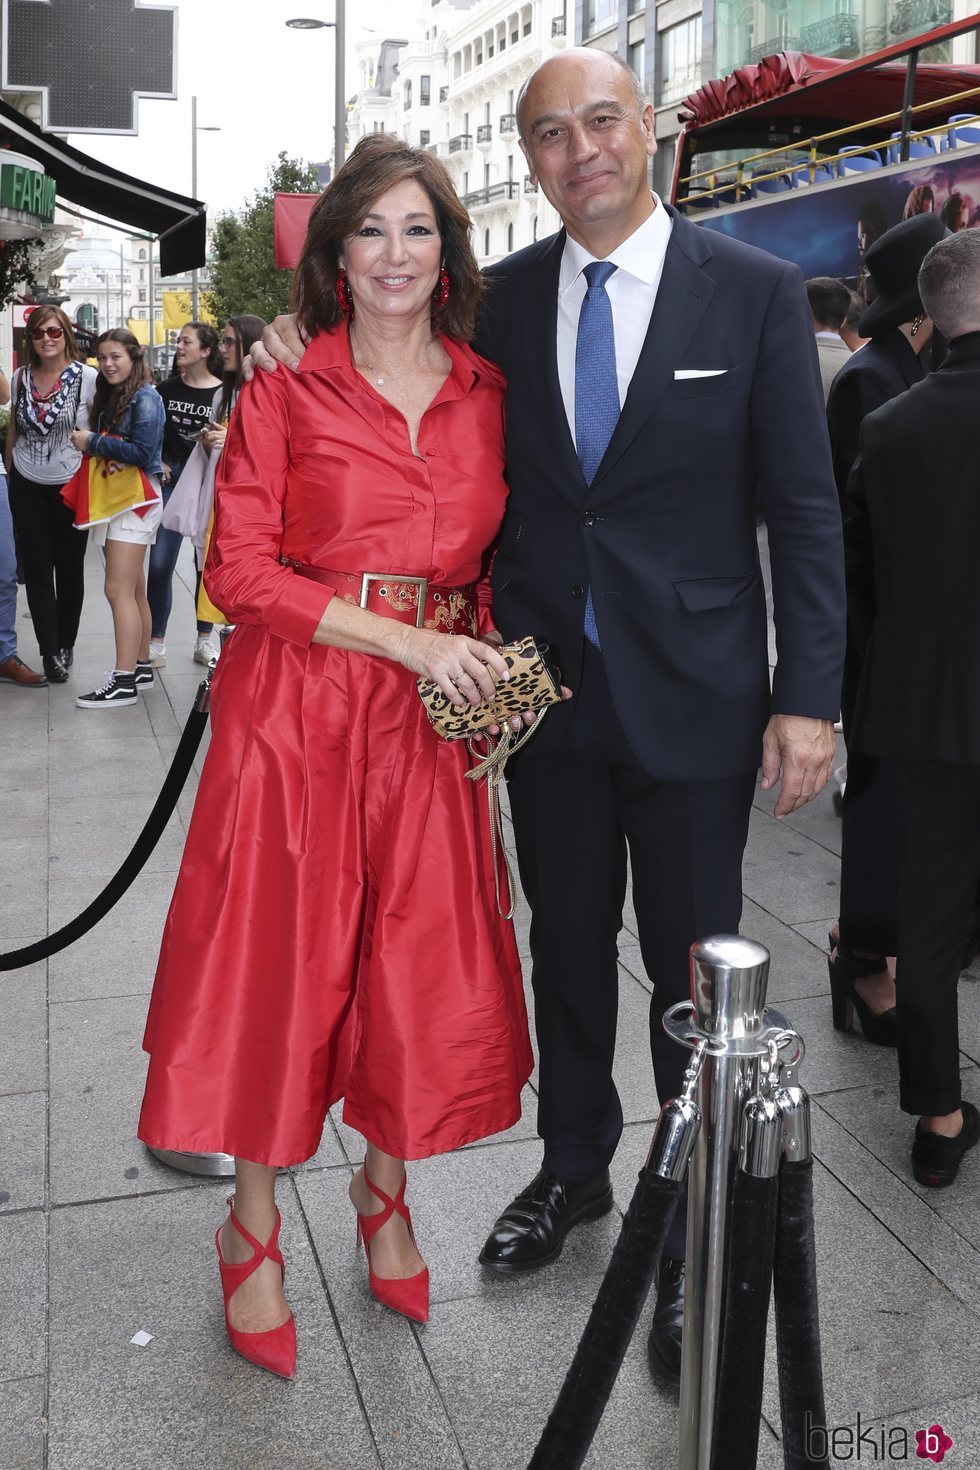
803	749
283	340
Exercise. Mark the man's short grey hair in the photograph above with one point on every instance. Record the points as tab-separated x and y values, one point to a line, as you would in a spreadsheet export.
636	87
949	284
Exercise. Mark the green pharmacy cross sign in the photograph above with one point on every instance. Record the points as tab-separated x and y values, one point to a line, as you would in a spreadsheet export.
27	191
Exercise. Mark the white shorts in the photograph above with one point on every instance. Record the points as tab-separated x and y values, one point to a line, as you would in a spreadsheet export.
130	527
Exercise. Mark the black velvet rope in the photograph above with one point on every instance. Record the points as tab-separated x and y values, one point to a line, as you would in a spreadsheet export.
742	1366
579	1407
801	1396
163	807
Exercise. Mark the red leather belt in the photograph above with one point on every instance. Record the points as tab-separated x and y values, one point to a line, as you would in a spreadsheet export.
413	600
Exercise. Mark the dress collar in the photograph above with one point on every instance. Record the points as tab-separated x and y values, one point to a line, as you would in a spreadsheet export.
330	351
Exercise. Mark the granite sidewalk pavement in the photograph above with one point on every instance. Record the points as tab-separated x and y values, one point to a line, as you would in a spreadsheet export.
99	1241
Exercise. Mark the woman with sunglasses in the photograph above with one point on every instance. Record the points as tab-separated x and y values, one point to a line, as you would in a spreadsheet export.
51	397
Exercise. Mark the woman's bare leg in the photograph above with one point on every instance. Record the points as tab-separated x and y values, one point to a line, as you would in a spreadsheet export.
259	1304
146	616
123	569
393	1252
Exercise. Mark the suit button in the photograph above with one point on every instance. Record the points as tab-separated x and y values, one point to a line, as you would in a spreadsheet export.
588	519
578	591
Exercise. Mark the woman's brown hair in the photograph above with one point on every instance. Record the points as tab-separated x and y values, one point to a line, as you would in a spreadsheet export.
37	318
110	401
377	164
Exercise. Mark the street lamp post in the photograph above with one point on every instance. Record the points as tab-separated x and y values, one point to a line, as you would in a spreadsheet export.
194	132
305	23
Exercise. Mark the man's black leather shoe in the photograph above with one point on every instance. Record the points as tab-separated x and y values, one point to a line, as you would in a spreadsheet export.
54	668
664	1345
532	1229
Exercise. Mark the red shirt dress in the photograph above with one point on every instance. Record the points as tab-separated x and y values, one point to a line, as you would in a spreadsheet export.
334	931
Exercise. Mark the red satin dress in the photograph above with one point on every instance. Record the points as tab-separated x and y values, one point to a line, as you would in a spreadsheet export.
334	931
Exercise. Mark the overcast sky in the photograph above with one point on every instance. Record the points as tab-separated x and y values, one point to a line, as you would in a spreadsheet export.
231	53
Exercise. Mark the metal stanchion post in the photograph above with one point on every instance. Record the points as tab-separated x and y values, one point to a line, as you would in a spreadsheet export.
728	992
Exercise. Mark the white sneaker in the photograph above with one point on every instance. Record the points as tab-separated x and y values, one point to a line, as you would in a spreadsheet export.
158	654
205	652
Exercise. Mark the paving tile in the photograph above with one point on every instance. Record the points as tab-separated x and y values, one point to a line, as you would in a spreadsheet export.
185	1400
882	1315
81	824
410	1423
330	1154
23	1142
23	1025
927	1221
23	907
500	1362
22	1424
798	968
118	956
789	876
872	1117
97	1073
22	1320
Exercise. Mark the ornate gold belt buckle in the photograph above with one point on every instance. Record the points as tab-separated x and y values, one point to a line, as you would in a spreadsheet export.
422	583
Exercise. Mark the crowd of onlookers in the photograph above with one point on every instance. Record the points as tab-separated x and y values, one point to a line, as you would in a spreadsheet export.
97	450
899	415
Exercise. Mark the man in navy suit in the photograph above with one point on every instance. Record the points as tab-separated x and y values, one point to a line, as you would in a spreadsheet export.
661	379
642	574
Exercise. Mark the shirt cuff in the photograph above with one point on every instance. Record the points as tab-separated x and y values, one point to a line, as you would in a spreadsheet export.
297	614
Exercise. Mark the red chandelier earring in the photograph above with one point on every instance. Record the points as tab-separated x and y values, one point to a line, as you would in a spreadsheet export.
343	292
441	294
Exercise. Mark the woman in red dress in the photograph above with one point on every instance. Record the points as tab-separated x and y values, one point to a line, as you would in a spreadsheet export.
334	931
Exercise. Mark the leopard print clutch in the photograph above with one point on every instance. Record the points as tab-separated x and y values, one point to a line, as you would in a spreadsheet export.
532	686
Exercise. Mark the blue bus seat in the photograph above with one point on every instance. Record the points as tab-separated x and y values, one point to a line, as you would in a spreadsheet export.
960	134
859	160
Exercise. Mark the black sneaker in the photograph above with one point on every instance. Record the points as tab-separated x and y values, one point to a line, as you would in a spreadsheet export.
935	1159
119	691
144	673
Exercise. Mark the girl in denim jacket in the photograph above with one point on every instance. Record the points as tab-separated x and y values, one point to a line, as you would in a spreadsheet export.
129	416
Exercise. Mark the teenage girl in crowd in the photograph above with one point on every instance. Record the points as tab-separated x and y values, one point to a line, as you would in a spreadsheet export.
235	343
50	399
188	400
128	417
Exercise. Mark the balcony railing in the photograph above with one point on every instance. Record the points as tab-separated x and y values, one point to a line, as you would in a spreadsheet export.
912	16
772	47
492	194
530	187
836	36
484	133
444	94
461	143
558	25
508	124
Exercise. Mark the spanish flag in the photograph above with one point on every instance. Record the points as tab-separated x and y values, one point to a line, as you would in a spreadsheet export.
101	489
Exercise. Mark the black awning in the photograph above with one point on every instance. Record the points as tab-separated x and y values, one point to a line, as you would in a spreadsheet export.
179	222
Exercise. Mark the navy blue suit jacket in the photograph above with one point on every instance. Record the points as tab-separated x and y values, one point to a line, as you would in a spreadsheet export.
666	534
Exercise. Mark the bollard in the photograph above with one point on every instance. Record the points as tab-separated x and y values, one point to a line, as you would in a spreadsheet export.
728	1010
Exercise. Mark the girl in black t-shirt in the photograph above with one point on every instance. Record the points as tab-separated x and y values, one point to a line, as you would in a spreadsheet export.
188	400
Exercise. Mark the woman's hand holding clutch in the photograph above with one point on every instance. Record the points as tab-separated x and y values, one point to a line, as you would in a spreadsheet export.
466	669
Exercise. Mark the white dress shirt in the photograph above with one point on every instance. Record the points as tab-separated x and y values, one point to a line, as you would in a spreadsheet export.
632	291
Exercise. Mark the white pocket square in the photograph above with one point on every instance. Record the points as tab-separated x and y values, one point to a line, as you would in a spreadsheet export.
699	373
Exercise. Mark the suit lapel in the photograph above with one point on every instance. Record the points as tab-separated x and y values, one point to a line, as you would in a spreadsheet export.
541	353
683	296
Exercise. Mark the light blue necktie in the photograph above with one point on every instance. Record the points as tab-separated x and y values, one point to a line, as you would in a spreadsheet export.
596	388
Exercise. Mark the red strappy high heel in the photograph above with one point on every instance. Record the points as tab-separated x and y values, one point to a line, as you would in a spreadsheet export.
274	1350
409	1295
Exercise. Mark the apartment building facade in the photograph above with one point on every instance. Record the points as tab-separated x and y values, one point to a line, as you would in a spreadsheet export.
453	88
